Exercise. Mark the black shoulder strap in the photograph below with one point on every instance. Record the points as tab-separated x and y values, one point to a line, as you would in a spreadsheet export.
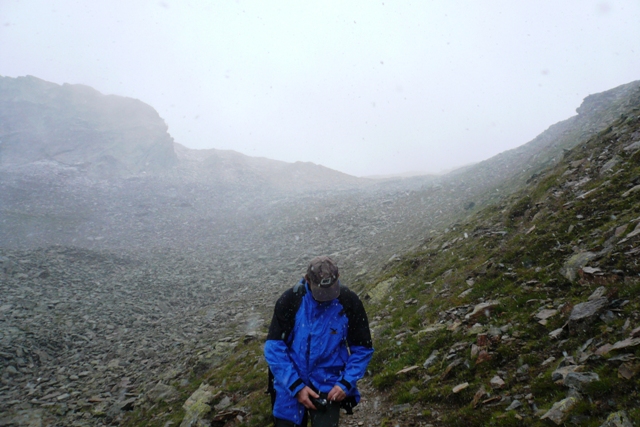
358	332
299	289
284	313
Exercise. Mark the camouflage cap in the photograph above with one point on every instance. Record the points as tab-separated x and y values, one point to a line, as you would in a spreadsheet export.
322	275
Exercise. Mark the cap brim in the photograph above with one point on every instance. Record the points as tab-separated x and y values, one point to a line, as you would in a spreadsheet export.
325	294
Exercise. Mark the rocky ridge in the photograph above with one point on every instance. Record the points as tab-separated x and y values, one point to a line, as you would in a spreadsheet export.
492	179
78	127
232	168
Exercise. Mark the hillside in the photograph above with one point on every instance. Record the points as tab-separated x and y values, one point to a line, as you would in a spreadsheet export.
526	313
46	128
122	291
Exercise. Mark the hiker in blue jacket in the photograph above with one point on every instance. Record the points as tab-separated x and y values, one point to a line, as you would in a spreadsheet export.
318	347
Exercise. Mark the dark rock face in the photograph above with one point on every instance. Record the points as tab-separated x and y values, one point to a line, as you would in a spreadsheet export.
76	125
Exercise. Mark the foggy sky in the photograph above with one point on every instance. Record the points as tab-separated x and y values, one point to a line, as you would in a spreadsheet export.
359	86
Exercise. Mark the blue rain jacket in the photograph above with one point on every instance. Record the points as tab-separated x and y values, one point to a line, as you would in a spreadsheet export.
319	345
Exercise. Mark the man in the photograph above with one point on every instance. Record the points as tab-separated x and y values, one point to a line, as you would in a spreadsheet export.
318	347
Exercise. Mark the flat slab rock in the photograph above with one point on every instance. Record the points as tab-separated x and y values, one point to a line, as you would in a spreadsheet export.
460	387
482	308
574	263
546	313
629	342
407	370
628	370
577	380
588	309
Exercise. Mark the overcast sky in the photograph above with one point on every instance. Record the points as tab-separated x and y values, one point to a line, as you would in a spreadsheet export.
364	87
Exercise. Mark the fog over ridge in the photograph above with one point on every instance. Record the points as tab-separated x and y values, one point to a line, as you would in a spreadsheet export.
363	88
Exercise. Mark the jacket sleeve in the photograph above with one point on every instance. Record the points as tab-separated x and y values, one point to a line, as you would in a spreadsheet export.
276	351
359	340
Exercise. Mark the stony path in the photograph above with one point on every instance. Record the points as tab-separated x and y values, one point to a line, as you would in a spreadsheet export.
376	410
369	412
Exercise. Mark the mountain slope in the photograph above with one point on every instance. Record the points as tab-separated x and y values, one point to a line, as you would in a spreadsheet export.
233	168
525	313
511	301
48	128
185	271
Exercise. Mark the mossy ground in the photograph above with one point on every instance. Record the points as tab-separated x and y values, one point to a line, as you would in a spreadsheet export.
513	252
242	376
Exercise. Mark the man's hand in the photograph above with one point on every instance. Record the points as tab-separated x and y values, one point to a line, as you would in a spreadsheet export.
336	394
303	397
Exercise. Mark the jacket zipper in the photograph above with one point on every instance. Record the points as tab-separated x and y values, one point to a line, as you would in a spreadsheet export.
310	329
309	356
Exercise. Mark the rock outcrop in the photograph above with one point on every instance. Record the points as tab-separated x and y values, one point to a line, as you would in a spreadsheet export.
77	126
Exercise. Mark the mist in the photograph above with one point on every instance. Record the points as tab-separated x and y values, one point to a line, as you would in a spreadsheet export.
362	88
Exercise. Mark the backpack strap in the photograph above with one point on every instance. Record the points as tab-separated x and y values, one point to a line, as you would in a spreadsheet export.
284	313
358	332
299	289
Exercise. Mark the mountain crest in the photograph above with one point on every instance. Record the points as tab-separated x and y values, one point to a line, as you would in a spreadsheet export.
75	125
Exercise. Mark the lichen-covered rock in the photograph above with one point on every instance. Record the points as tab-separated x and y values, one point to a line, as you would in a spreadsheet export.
195	413
205	393
560	410
381	290
574	263
197	405
617	419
